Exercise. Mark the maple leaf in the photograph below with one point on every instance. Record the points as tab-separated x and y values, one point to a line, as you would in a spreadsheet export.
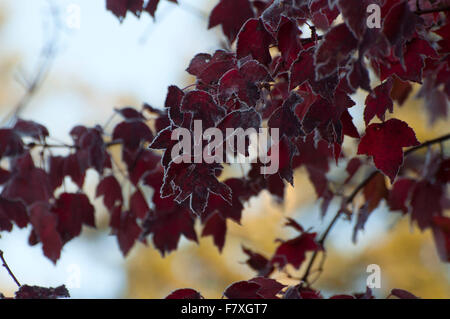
125	227
27	183
31	129
337	46
56	171
410	67
10	143
400	25
73	211
355	14
400	90
202	105
130	113
285	151
273	14
254	40
289	43
153	5
231	14
244	82
194	181
256	288
12	211
111	191
379	101
400	193
132	133
209	69
216	226
348	127
139	162
374	192
45	225
326	117
258	263
167	225
169	220
186	293
303	70
293	251
384	142
138	205
441	233
285	119
120	7
173	103
426	203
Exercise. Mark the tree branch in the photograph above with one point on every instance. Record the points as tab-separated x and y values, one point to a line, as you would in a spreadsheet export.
9	269
352	196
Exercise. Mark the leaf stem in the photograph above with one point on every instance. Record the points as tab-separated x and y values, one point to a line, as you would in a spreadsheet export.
352	196
9	269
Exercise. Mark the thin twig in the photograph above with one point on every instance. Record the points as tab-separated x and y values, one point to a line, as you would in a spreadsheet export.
48	53
9	269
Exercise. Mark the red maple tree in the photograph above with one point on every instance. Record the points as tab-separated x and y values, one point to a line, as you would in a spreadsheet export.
276	78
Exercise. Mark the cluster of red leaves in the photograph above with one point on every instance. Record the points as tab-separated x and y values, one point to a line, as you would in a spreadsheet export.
35	292
266	288
276	78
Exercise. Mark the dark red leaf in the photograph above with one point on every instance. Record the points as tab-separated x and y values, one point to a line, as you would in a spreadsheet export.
132	133
203	106
285	119
258	263
73	211
184	294
426	203
153	5
12	211
384	142
244	82
209	69
10	143
130	113
400	193
31	129
138	205
45	226
194	181
303	70
111	191
293	251
379	101
441	233
27	183
400	25
231	14
254	40
216	226
120	7
337	46
125	228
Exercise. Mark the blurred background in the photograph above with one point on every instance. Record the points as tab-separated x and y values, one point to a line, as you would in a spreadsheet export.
88	63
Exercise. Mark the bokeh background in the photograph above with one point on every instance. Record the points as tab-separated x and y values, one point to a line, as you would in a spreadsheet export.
104	64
